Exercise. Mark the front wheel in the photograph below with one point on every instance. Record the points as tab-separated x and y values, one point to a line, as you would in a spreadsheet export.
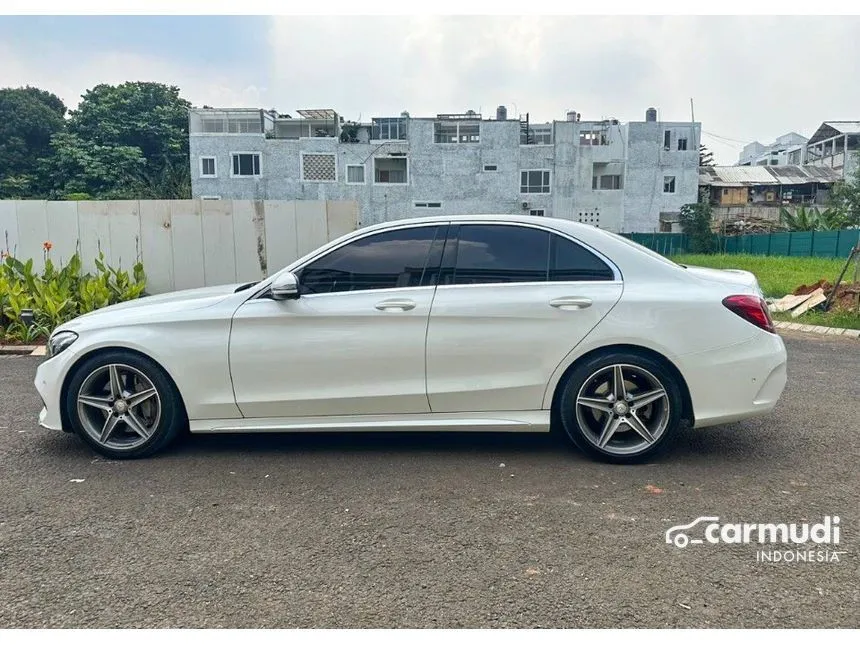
124	405
621	407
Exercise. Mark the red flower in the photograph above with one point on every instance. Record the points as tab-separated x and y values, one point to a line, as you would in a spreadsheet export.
47	246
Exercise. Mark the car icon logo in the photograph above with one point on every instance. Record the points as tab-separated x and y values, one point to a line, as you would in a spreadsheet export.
680	539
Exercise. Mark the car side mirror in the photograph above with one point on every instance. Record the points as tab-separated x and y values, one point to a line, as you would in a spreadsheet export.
285	286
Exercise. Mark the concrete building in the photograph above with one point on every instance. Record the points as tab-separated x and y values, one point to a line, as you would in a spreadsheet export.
788	149
622	177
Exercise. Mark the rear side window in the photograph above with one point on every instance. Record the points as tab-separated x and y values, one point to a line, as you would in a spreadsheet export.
570	262
383	261
489	254
493	253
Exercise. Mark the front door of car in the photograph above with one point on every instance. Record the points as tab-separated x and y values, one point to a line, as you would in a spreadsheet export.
352	343
512	302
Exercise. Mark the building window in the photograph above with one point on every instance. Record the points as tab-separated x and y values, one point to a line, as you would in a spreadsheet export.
246	164
682	144
490	168
208	167
606	182
534	181
537	136
537	212
427	204
319	167
725	191
589	138
469	132
668	184
388	129
774	162
354	174
667	139
387	170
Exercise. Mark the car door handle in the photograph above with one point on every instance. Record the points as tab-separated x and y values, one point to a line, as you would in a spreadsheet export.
570	302
395	304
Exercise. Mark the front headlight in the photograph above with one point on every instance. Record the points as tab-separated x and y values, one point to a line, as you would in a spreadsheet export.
60	341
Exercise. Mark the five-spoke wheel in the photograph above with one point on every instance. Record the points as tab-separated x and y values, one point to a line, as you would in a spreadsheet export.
621	407
123	404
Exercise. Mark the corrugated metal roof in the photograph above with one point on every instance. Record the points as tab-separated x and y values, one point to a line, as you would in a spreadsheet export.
845	127
765	175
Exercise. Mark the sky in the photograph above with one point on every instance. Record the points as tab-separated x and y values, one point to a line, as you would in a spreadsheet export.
750	78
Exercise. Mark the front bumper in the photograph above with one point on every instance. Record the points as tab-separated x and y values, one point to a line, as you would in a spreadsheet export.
49	382
736	382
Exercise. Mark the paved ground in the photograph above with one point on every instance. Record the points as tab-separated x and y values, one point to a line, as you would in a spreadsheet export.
421	531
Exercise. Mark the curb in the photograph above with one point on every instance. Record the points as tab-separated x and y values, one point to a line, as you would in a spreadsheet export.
817	329
23	350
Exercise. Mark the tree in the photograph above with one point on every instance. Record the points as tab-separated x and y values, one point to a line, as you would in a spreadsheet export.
29	117
706	157
88	170
151	117
695	221
845	195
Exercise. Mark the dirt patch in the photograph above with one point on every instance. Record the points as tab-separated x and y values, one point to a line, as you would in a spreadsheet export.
846	297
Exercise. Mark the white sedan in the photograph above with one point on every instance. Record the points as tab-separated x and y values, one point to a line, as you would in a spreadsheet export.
466	323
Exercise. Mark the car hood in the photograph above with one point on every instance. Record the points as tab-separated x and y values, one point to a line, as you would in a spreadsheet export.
151	307
726	276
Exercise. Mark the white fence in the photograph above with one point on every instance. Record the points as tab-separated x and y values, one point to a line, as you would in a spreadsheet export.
183	243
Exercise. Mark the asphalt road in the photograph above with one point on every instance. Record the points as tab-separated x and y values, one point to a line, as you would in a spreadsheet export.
430	530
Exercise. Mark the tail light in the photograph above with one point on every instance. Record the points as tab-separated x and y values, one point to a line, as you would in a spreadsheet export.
752	309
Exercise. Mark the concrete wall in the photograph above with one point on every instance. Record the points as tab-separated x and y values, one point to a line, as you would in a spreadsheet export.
647	165
184	243
453	173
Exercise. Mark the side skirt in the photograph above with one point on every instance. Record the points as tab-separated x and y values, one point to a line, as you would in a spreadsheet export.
515	421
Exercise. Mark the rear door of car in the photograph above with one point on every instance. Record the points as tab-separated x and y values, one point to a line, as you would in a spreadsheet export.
513	300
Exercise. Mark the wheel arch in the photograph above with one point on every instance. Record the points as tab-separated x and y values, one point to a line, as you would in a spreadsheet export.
80	360
635	349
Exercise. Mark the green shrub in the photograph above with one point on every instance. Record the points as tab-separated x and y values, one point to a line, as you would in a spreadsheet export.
58	294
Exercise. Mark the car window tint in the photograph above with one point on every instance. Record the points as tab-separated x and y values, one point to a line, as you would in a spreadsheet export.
570	261
382	261
493	253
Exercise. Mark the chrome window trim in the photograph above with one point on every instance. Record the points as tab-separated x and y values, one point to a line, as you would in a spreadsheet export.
616	272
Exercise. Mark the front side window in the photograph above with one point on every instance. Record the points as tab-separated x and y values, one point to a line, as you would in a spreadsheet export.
386	260
534	181
246	164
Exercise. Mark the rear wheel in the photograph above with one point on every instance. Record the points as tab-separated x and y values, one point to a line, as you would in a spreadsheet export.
124	405
621	407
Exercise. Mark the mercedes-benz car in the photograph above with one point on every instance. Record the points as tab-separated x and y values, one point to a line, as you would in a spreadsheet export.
458	323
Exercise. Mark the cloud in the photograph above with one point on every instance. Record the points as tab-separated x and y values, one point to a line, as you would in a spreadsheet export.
70	75
750	77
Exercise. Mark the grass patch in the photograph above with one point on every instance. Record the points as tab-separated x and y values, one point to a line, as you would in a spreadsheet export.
777	275
780	275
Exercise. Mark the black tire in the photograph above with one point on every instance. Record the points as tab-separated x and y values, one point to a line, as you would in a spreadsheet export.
633	365
170	421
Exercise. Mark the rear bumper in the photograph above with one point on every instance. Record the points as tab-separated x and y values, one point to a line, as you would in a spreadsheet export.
736	382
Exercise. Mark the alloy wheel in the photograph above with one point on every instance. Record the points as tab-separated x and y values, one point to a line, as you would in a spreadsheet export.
622	409
118	406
